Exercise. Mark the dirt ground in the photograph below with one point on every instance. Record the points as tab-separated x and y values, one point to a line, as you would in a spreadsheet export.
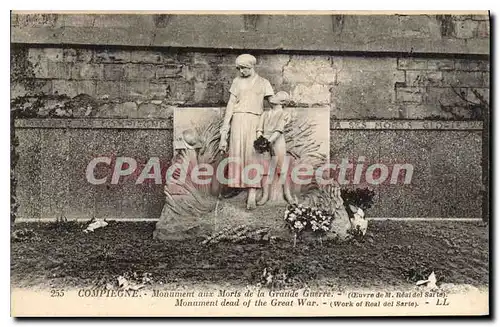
393	253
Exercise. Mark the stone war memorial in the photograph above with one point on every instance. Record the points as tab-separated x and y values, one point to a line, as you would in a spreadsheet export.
172	138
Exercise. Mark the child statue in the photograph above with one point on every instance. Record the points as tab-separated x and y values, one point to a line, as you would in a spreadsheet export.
272	126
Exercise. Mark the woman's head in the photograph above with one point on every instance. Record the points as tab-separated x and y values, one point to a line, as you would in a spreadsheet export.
245	64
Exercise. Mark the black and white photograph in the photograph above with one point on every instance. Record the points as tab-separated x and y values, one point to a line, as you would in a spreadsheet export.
250	164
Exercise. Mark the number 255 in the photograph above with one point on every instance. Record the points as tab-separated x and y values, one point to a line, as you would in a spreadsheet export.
56	293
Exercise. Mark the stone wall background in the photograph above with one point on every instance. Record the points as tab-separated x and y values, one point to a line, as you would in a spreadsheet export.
144	66
132	83
362	32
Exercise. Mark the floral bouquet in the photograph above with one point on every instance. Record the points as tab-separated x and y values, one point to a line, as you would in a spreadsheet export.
301	218
262	145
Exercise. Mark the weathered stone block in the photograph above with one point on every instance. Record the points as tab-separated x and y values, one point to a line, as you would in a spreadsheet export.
483	29
365	65
148	110
69	55
227	73
443	95
30	87
77	55
111	56
86	87
181	57
73	88
35	20
84	55
423	111
482	92
208	93
200	73
179	92
59	70
87	71
482	65
103	110
149	57
165	111
310	94
464	79
472	65
417	27
365	88
169	71
480	17
424	78
123	21
215	59
139	71
108	89
461	17
17	90
412	64
486	79
114	72
41	69
440	64
41	86
309	69
273	75
53	54
409	94
64	87
277	61
124	110
207	59
144	91
35	55
465	29
77	20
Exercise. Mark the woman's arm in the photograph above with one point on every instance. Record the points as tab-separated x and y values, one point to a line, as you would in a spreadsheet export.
226	122
228	115
260	127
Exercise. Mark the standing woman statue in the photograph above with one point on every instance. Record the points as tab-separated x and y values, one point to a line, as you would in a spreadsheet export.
245	106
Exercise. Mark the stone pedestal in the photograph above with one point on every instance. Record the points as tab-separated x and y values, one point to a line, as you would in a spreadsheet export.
202	213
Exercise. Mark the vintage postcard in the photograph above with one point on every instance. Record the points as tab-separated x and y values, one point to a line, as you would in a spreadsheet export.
250	164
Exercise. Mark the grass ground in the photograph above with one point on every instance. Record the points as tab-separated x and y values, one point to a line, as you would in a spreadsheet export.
393	253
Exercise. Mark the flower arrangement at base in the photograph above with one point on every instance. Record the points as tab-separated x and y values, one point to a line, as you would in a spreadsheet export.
300	218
